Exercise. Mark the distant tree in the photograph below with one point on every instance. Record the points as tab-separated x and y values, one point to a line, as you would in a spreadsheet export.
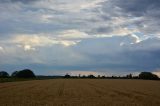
14	74
3	74
148	75
129	76
91	76
99	76
114	77
135	77
67	76
103	76
26	73
83	76
79	75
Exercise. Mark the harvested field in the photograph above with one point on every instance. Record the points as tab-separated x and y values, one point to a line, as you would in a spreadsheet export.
80	92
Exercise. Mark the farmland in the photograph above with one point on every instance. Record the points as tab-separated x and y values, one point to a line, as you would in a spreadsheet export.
80	92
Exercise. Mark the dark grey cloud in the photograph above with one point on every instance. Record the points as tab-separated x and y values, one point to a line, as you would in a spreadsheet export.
137	7
132	7
147	10
122	35
99	54
14	1
108	54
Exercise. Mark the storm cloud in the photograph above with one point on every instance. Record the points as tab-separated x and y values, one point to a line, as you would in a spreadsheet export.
52	36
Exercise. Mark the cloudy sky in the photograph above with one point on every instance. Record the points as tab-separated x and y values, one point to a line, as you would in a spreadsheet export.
80	36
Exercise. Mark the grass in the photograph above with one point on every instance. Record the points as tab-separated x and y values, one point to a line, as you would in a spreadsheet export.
80	92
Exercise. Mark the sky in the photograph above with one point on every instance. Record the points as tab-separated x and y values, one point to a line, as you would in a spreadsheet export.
106	37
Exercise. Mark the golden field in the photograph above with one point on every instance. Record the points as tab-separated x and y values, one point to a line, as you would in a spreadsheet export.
80	92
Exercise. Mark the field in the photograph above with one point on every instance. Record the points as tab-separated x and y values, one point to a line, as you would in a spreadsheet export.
80	92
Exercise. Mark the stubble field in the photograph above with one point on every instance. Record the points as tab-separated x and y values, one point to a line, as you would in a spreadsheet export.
80	92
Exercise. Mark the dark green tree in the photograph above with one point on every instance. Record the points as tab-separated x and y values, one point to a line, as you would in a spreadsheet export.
14	74
3	74
148	75
129	76
67	76
91	76
26	73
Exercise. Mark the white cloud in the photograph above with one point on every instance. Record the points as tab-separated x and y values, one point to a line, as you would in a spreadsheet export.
92	4
69	5
157	73
41	40
73	34
28	48
35	40
68	43
46	18
137	39
123	31
1	48
122	43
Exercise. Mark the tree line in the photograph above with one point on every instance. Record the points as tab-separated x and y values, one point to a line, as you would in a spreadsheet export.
27	73
142	75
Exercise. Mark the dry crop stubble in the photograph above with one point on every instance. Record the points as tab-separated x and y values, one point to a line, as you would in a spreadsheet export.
80	92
